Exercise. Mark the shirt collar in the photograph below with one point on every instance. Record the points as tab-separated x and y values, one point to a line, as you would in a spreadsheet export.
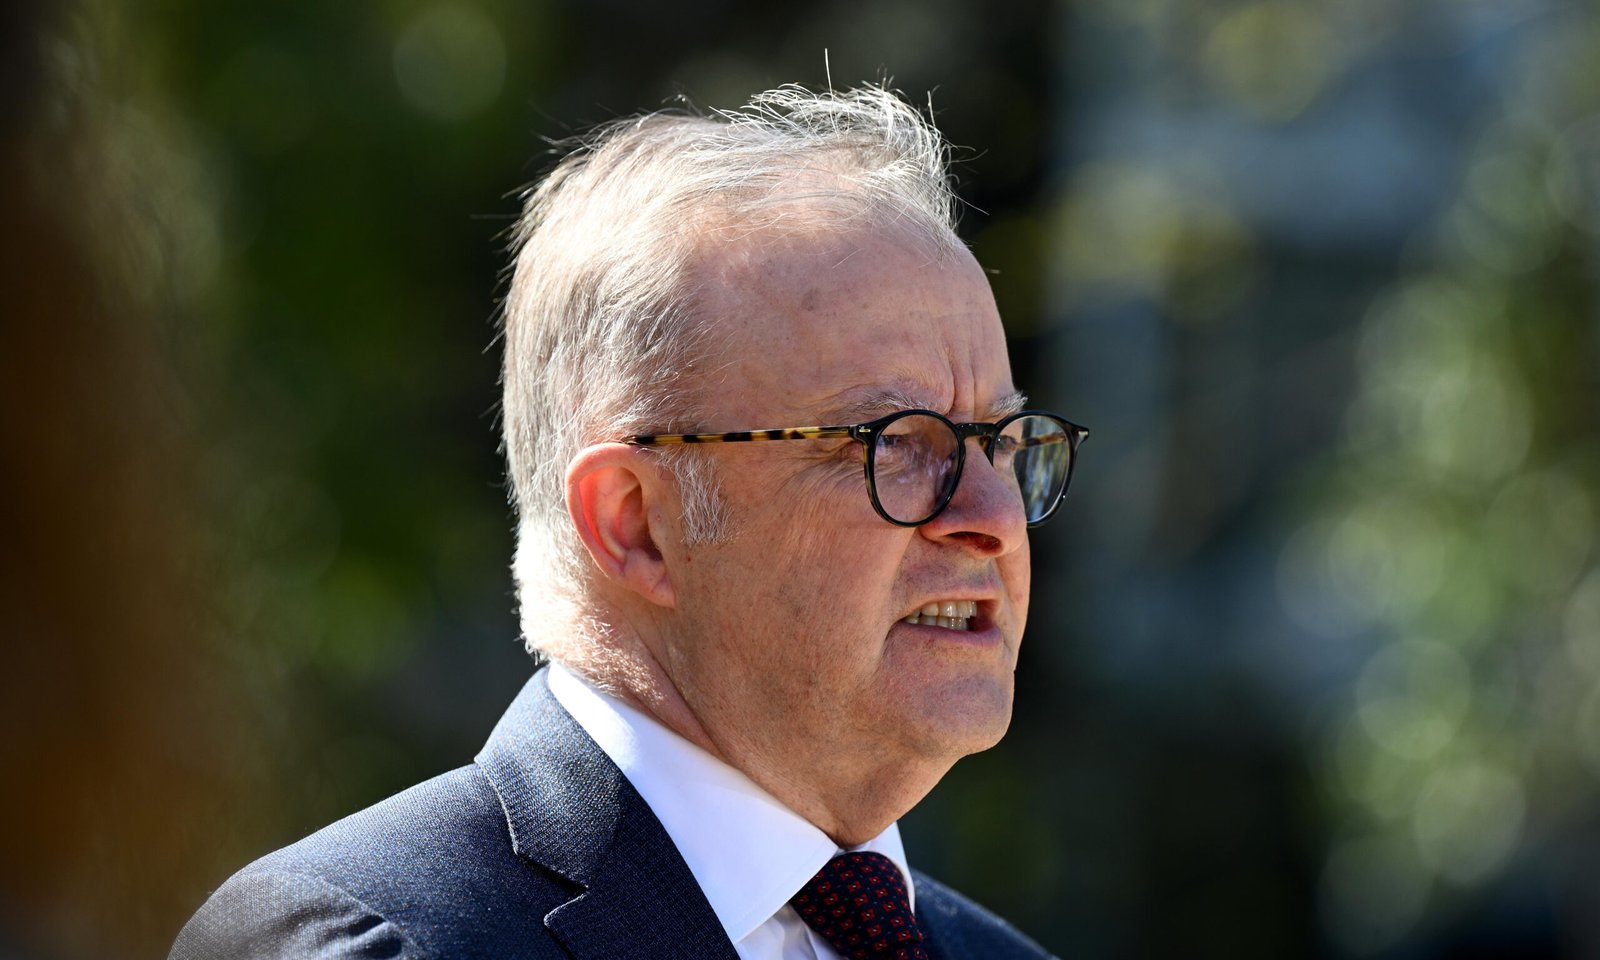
714	814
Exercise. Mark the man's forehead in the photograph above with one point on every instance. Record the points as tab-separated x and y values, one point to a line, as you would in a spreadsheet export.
844	327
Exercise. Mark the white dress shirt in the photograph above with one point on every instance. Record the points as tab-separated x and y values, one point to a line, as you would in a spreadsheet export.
748	851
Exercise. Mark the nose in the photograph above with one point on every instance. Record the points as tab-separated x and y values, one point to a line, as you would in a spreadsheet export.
986	514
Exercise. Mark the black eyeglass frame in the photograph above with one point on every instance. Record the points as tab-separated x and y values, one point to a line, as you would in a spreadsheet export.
867	433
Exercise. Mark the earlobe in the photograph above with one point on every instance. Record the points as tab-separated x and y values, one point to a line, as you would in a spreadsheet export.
610	495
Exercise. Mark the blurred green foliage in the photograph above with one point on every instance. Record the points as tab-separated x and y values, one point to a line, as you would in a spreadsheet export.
1457	522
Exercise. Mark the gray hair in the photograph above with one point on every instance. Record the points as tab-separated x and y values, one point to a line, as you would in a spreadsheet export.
602	338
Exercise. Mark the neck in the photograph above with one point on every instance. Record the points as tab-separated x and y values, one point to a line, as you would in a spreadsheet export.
850	812
852	805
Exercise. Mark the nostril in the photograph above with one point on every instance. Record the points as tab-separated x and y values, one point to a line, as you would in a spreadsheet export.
982	541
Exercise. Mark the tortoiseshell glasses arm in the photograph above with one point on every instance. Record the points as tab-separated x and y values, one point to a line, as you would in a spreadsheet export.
743	436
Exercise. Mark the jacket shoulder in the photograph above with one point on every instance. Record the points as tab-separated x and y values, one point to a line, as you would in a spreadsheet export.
429	872
263	913
961	929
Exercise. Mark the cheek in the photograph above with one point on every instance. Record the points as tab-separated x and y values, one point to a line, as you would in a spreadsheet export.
823	594
809	551
832	574
1016	572
805	518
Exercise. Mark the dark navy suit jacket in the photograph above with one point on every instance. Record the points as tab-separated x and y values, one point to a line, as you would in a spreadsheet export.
539	849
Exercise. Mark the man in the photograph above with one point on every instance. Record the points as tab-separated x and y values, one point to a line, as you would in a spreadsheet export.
765	646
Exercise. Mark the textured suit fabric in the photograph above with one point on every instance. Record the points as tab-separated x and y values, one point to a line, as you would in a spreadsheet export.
539	849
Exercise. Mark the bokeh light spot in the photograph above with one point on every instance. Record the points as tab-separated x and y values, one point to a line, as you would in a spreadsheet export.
1572	175
1581	624
1306	589
450	61
1539	531
1468	820
1412	696
1272	58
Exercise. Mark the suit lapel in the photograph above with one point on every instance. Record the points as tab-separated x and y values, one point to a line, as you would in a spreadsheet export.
570	810
642	905
934	934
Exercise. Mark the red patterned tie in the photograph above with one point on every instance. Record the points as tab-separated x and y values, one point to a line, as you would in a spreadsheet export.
858	903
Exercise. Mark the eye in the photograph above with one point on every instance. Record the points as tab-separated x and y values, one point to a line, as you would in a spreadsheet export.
1006	449
897	449
914	447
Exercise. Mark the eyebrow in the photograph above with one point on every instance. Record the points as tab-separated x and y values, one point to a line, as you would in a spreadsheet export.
882	401
1014	402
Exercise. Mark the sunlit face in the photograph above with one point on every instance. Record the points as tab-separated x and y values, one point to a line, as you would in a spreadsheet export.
790	642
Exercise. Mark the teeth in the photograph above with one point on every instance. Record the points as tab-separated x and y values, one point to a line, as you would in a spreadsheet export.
949	614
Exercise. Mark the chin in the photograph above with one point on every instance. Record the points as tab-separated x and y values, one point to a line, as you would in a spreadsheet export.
970	717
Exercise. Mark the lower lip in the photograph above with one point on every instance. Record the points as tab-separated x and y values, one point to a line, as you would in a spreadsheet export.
982	636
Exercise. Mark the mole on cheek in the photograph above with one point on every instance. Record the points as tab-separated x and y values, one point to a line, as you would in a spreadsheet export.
808	303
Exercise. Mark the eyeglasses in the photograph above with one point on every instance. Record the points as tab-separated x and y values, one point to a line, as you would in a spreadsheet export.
915	457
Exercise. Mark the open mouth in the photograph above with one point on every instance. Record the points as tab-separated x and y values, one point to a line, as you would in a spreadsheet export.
949	614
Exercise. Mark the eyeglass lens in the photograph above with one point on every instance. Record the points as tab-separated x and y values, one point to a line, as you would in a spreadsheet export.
914	464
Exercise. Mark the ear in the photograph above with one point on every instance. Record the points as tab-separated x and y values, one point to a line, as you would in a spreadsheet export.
611	490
